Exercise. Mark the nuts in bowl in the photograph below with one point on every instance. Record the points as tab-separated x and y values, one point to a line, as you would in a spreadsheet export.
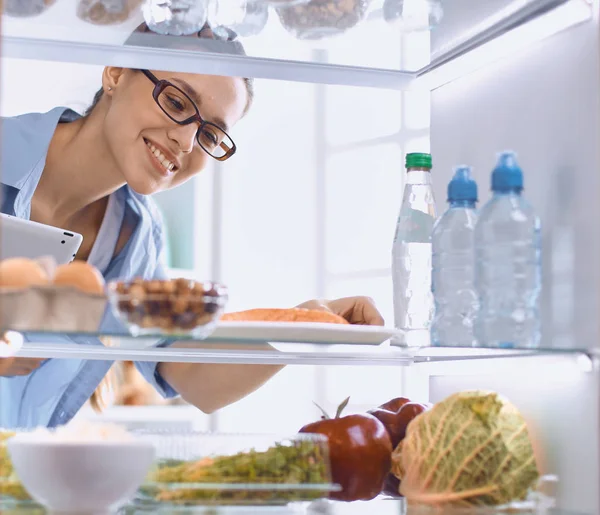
174	306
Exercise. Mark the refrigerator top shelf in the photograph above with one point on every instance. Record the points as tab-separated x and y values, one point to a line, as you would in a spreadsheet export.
378	43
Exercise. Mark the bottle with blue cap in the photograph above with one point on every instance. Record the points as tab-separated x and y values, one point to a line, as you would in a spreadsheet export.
508	263
453	275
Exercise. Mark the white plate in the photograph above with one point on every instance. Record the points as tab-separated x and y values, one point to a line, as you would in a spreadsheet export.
302	332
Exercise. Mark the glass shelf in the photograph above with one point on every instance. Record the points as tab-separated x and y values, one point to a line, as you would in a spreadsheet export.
381	506
126	348
375	52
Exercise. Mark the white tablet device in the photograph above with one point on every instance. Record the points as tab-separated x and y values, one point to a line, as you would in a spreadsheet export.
24	238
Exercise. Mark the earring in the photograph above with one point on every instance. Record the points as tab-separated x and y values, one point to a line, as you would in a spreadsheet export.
109	88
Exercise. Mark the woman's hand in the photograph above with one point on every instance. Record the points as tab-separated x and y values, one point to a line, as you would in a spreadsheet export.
357	310
10	365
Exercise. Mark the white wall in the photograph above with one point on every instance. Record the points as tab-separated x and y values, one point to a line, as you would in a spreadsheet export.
38	86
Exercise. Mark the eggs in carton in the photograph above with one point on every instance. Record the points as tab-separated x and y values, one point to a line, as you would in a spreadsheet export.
37	295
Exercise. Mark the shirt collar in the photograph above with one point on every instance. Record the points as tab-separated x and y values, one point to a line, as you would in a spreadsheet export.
25	143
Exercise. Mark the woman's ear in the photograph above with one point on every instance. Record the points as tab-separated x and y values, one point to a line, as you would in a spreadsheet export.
111	77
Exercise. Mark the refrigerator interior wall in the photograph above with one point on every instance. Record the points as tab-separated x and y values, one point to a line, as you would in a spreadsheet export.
544	104
559	398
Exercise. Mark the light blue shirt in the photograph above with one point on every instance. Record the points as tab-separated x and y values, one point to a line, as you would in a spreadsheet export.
56	391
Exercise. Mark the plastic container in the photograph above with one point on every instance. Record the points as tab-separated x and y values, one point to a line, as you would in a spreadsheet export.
172	307
508	263
320	19
411	255
51	308
229	469
453	271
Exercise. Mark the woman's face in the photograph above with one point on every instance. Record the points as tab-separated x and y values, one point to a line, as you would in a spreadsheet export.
135	127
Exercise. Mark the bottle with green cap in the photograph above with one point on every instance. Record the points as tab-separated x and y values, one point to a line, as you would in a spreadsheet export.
411	255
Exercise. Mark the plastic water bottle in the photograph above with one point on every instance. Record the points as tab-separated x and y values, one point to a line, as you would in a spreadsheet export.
411	255
508	263
453	275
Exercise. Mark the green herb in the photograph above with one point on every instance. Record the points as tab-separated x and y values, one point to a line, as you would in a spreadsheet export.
297	463
10	486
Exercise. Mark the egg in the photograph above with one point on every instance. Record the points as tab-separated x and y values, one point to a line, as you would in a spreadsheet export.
22	273
80	275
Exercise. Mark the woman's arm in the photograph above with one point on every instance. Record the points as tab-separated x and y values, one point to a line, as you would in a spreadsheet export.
210	387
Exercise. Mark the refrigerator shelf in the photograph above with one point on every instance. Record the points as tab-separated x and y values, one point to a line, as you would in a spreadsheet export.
286	353
374	53
383	507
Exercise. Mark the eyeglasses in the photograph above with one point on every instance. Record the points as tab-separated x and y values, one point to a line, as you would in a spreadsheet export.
180	108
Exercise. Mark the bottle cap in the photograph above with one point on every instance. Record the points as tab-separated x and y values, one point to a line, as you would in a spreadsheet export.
507	176
418	160
462	186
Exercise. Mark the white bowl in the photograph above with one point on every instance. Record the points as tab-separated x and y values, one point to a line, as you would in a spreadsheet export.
83	478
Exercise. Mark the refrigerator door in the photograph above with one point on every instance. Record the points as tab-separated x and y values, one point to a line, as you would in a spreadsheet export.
545	105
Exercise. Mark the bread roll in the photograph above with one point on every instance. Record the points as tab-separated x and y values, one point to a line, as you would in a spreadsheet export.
284	315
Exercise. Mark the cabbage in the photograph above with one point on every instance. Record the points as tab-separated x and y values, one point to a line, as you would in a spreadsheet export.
471	449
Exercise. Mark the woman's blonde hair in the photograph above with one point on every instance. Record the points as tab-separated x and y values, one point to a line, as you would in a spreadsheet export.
98	400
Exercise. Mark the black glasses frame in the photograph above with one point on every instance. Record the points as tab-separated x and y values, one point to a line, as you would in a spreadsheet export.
160	86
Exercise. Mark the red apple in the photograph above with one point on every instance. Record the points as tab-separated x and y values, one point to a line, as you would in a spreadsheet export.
407	413
395	404
395	422
360	452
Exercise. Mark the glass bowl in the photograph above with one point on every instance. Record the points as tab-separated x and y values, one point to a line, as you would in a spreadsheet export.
195	468
26	8
175	17
322	18
244	17
168	307
279	3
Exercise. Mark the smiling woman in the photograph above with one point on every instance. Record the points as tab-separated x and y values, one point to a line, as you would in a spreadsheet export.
147	131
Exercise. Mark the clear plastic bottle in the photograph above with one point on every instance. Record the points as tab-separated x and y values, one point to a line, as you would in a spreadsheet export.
411	255
453	271
508	263
175	17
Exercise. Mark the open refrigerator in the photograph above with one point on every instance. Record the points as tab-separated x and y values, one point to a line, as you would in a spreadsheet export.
519	74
